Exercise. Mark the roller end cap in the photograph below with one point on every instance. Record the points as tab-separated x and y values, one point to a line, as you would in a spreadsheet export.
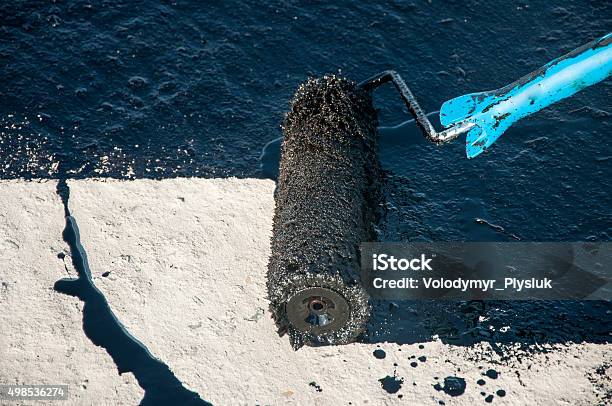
318	311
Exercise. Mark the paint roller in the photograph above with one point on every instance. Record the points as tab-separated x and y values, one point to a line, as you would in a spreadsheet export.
327	198
327	194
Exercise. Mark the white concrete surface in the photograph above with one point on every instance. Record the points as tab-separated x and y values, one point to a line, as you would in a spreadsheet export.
41	334
187	261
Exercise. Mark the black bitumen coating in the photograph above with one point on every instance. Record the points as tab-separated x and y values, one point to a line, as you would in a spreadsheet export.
453	386
326	202
491	373
391	384
380	354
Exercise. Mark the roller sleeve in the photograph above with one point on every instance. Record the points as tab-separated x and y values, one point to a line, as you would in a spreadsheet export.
327	201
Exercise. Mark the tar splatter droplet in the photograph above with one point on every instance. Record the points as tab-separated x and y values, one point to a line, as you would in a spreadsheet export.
453	386
491	373
481	382
422	358
380	354
316	386
105	274
501	393
489	399
413	364
391	384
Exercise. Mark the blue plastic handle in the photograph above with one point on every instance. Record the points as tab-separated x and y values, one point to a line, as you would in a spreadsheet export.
493	112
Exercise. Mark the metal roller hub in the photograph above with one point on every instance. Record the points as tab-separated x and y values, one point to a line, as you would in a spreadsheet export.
317	310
